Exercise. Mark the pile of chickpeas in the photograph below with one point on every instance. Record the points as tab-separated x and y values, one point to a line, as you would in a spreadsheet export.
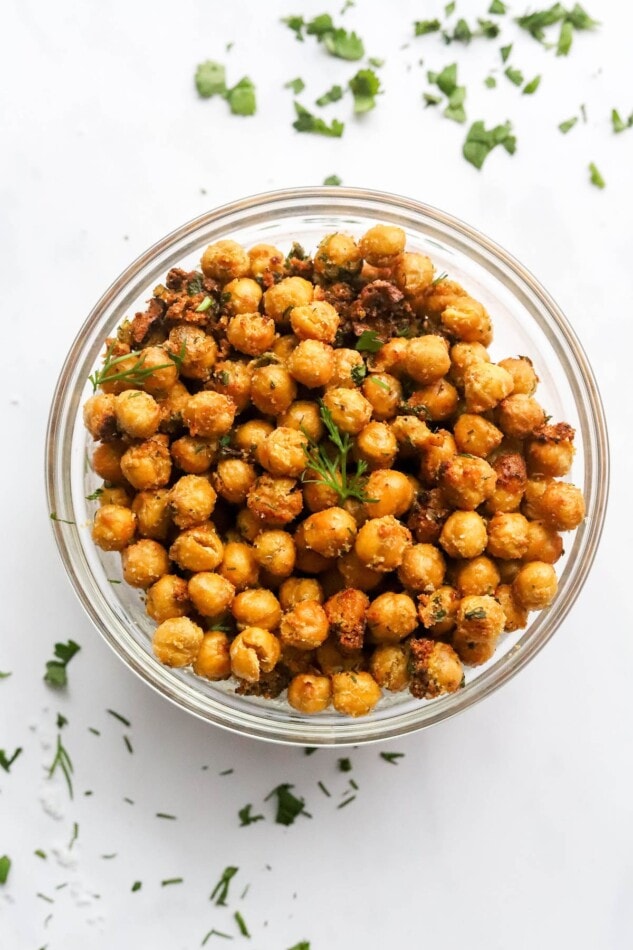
208	411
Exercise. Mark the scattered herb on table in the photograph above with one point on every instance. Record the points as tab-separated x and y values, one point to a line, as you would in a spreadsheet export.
296	85
575	19
5	867
210	80
324	789
446	81
162	814
309	750
62	761
289	807
595	177
514	75
481	141
215	933
246	818
128	744
568	124
6	762
344	765
333	94
365	86
392	757
55	517
336	40
332	180
136	886
56	669
302	945
74	836
619	124
126	722
306	122
422	27
490	82
171	880
221	890
505	53
497	7
347	801
530	87
241	923
40	854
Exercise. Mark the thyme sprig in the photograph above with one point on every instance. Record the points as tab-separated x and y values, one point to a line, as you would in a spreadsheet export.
136	374
332	469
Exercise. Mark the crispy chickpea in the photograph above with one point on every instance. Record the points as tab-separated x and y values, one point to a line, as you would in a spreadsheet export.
233	479
224	261
516	614
275	552
209	414
354	693
435	669
478	576
543	543
210	593
191	501
242	295
250	434
128	361
304	416
439	399
426	358
153	517
438	611
561	506
507	535
274	500
390	358
137	413
177	641
265	257
239	565
283	347
349	409
273	389
551	451
197	549
384	393
312	363
464	355
116	495
305	626
113	528
256	608
284	452
428	515
389	667
535	585
467	482
171	407
309	561
106	462
193	456
423	568
99	415
330	532
508	570
317	494
391	617
464	535
251	333
412	435
413	273
288	293
511	482
232	378
164	373
485	386
522	371
254	651
148	464
214	659
519	416
356	574
294	590
196	351
466	319
248	525
337	257
381	543
346	363
331	660
382	245
480	621
315	321
376	445
390	491
309	693
168	598
144	563
438	451
474	435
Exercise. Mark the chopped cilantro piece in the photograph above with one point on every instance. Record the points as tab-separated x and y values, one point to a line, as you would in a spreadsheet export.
567	124
289	807
221	890
392	757
449	9
95	494
6	762
505	52
462	32
320	25
241	923
210	79
497	7
194	286
532	86
297	85
344	45
368	342
241	98
204	306
296	24
333	94
244	814
171	880
126	722
344	765
595	177
40	854
302	945
365	86
56	669
514	75
128	744
5	867
422	27
310	750
74	836
618	123
136	886
487	28
477	614
376	62
447	82
332	180
455	108
358	373
431	99
306	122
490	82
481	141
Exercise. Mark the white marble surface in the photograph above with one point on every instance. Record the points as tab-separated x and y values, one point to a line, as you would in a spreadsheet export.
509	827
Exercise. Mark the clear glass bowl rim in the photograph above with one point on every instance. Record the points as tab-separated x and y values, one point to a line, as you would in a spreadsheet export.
65	406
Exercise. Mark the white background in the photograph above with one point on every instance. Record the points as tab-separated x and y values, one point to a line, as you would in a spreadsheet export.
510	827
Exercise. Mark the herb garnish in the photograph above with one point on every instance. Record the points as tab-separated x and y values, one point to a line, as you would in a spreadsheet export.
306	122
619	124
497	7
204	306
221	889
514	75
344	765
244	814
297	85
570	20
289	807
210	81
162	814
56	669
347	801
241	923
392	757
215	933
365	86
134	375
5	762
422	27
332	180
446	81
5	867
481	141
54	517
74	836
333	94
358	373
309	750
63	762
531	87
568	124
97	493
136	886
478	613
336	40
324	789
595	177
126	722
368	342
302	945
40	854
333	469
171	880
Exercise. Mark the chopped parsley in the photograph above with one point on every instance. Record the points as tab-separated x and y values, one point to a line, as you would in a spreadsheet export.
392	757
365	86
297	85
136	886
54	517
126	722
241	923
376	62
333	94
244	814
446	81
619	124
347	801
302	945
478	613
497	7
5	867
62	762
6	762
514	75
306	122
595	177
324	789
310	750
505	53
422	27
481	141
332	180
215	933
241	98
289	807
40	854
204	306
531	87
449	9
171	880
128	744
368	342
490	82
56	669
575	19
568	124
344	765
336	40
221	890
358	373
210	80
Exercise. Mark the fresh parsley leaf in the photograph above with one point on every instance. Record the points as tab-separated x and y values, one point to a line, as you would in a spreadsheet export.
289	807
241	923
376	62
61	721
244	814
332	180
505	53
5	867
490	82
575	19
568	124
56	669
210	79
618	123
306	122
320	26
368	342
302	945
478	613
462	32
447	82
3	676
422	27
241	98
296	24
455	108
365	86
431	99
514	75
481	141
358	373
204	305
595	177
344	765
531	87
497	7
392	757
487	28
6	762
333	94
344	45
221	890
136	886
449	9
297	85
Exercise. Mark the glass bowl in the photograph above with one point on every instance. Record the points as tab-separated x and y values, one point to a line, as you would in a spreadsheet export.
526	320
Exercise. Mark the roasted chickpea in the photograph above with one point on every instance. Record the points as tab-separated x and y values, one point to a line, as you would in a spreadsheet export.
480	621
438	611
384	393
349	367
331	660
354	693
330	532
164	371
423	568
168	598
284	452
171	407
116	495
210	593
275	552
309	561
390	358
116	379
197	549
391	617
273	389
265	257
309	693
428	514
337	257
561	506
148	464
439	400
232	378
239	565
543	543
193	456
233	479
214	659
113	528
106	462
99	415
251	434
315	321
256	608
275	500
535	585
251	333
464	355
297	589
242	295
191	501
508	570
144	563
389	667
349	409
137	413
317	494
284	346
305	626
464	535
511	482
248	525
288	293
177	641
413	273
304	416
478	576
435	669
390	493
516	615
209	414
376	445
196	351
381	543
412	435
426	358
485	386
522	371
474	435
254	651
519	416
312	363
466	319
438	451
356	574
224	261
382	245
466	481
153	518
551	451
508	536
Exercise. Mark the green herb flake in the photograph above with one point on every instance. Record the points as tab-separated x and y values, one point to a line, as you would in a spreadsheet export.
333	180
204	306
497	7
306	122
74	836
310	750
358	373
430	99
215	933
344	45
289	807
162	814
567	125
297	85
62	761
40	854
347	801
422	27
302	945
126	722
97	493
246	818
54	517
241	98
490	82
618	123
530	87
5	867
324	789
171	880
368	342
488	29
344	765
128	744
194	286
333	94
210	79
481	141
462	32
221	890
595	177
241	923
296	24
365	86
514	75
136	886
376	62
6	762
449	9
392	757
478	613
505	53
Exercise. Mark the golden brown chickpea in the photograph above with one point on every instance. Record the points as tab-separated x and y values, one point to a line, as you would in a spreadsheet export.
356	574
312	363
426	358
349	409
196	351
297	589
232	378
330	533
309	693
543	543
164	373
435	669
305	626
106	462
561	506
390	358
511	481
276	501
275	552
248	525
304	416
153	517
330	659
413	273
423	568
389	667
254	651
171	407
384	393
551	451
273	389
233	479
464	535
516	615
242	295
116	495
317	494
522	372
508	570
438	451
288	293
442	294
474	435
137	413
390	491
468	320
485	386
256	608
439	399
337	257
168	598
535	585
464	355
210	593
148	464
376	445
224	261
466	481
298	661
191	501
214	659
507	536
197	549
177	641
519	416
239	565
381	543
480	621
284	452
438	611
250	434
283	347
391	617
99	415
315	321
251	333
478	576
382	245
144	563
193	456
348	364
209	414
128	361
265	257
354	693
412	435
113	527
